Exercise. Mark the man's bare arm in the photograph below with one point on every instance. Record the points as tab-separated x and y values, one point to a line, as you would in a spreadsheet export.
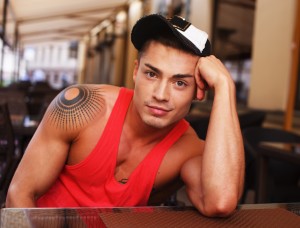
48	150
215	179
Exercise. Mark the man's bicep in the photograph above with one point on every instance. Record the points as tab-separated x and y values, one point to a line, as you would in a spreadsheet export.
47	154
191	176
41	164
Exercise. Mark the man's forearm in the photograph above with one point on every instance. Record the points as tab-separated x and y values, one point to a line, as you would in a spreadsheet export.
223	157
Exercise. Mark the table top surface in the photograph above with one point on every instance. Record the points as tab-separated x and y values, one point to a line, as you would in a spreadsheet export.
254	215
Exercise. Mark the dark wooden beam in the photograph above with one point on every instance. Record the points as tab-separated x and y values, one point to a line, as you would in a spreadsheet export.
289	113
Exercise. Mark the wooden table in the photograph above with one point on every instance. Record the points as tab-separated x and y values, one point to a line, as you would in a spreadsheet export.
256	215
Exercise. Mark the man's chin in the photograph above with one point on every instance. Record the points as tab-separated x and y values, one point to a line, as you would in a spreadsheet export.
158	122
155	122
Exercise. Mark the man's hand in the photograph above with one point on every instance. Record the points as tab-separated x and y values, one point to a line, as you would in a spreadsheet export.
210	73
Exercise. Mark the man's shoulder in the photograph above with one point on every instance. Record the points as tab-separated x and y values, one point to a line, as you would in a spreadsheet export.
89	93
81	104
100	88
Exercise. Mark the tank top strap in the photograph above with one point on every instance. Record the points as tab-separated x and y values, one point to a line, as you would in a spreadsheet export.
173	136
152	162
160	149
118	114
112	132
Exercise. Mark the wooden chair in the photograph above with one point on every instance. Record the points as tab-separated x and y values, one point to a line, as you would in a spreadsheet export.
283	180
7	150
252	118
17	106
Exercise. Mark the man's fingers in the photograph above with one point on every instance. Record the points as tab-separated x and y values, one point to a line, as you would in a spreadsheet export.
201	83
200	94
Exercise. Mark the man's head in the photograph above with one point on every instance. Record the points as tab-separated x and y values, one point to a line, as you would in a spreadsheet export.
164	73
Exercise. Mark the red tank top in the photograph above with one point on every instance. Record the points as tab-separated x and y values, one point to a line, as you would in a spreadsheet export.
91	183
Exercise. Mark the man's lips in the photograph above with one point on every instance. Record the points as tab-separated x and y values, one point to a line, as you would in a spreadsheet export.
157	110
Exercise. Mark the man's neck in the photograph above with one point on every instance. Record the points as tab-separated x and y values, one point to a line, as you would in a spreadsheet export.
136	128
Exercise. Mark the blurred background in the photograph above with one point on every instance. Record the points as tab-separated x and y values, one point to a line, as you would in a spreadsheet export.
47	45
73	41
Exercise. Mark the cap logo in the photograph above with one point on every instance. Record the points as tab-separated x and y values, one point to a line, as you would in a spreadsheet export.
179	23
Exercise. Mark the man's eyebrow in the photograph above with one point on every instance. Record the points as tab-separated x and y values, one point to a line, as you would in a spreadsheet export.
183	76
178	76
158	71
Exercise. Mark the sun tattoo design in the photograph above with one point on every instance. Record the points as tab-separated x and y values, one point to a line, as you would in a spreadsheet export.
70	113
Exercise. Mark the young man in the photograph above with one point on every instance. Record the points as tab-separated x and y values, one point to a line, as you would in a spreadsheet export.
101	145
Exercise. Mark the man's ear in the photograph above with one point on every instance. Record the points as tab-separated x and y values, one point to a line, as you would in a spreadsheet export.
135	70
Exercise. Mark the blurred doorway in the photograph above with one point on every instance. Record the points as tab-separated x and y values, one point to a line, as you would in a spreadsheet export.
233	25
297	103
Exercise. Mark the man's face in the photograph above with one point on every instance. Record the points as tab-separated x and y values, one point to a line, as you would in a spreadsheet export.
164	84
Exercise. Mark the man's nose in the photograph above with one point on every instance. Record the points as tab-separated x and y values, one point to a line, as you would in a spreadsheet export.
162	91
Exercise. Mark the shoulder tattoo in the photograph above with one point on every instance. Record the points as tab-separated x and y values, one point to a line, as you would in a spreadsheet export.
75	106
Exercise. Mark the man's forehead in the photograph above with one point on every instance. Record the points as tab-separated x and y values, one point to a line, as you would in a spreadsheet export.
170	71
154	44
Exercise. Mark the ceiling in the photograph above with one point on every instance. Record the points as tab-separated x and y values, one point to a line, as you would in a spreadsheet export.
44	20
51	20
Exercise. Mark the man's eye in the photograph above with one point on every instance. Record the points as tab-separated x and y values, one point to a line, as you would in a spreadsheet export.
180	83
150	74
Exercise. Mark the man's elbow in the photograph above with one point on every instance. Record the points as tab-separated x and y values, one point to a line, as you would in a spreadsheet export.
10	197
17	198
222	207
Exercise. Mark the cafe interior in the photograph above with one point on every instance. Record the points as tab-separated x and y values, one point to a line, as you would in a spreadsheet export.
49	45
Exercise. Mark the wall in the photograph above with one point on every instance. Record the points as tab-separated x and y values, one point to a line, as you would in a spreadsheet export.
135	12
201	15
272	49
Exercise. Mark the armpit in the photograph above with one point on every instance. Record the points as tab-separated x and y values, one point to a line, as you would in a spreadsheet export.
75	106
